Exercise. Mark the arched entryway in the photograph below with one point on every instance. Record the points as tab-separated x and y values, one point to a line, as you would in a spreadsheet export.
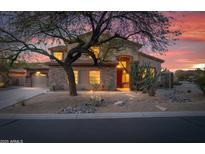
123	72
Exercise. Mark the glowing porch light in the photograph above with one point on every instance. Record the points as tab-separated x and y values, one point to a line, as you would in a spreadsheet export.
38	73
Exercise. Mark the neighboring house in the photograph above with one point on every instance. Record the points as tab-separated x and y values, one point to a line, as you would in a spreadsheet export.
17	77
113	73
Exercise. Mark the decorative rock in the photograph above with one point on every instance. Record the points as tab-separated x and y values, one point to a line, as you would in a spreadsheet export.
97	100
84	108
161	108
188	91
175	97
120	103
130	95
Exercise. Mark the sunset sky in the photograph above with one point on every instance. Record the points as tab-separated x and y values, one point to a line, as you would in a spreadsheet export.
189	50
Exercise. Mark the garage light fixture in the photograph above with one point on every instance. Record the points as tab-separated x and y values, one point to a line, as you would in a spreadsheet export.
38	73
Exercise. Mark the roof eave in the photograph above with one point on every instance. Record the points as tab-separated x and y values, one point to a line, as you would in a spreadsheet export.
152	57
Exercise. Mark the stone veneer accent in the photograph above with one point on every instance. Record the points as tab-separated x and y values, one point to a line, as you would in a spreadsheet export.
109	78
57	77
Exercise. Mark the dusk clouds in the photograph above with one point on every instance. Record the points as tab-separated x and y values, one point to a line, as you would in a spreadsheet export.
190	48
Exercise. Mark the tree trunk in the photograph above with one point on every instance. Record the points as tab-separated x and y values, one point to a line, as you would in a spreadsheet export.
71	79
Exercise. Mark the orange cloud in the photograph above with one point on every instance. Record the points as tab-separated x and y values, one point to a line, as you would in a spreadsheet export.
175	53
179	59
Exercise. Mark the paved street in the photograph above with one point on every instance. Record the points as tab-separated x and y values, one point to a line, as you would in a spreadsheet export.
166	129
12	96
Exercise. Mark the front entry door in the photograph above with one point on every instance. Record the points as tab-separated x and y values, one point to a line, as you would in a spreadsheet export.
119	78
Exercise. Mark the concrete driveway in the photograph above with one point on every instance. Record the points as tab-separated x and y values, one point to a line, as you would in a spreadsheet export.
12	96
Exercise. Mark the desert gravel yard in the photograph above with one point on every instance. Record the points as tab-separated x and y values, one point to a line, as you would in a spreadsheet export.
186	97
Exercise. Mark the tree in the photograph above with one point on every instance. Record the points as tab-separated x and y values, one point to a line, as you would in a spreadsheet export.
36	31
200	79
6	65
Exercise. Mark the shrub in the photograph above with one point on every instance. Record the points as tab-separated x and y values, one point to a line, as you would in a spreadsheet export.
144	79
200	81
177	83
95	87
52	87
111	86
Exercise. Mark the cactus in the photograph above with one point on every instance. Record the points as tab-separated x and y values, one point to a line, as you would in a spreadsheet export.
143	78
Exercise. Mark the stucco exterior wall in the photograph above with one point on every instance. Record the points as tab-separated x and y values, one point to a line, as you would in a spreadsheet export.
133	52
136	57
147	61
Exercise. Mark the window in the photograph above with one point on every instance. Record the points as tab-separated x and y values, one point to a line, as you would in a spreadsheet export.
144	73
76	76
58	55
122	64
96	51
149	71
152	72
125	77
94	77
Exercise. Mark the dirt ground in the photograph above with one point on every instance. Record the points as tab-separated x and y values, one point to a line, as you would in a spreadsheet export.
54	102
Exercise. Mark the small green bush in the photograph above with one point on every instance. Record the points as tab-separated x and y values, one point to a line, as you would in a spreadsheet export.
177	83
111	86
52	87
95	87
200	81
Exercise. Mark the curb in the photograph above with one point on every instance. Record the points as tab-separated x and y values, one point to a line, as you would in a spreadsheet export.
104	115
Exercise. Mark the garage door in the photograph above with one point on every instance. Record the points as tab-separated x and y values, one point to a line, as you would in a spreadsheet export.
39	81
